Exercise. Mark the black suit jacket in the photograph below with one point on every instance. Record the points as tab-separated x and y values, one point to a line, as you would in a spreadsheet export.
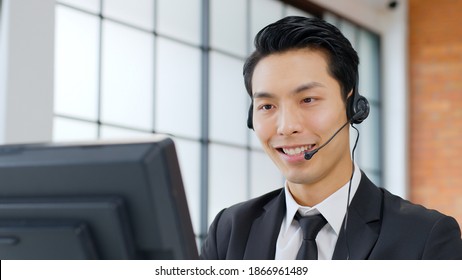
380	226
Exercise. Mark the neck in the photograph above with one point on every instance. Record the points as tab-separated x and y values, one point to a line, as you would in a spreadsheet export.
311	194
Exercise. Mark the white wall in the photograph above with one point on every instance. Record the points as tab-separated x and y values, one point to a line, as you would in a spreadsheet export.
26	71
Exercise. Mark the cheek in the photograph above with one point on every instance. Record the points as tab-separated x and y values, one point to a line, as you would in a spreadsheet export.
324	123
261	131
264	129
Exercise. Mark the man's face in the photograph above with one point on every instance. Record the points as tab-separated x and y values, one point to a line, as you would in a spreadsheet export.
298	107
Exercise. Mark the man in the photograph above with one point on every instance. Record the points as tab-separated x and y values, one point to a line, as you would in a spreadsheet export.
302	79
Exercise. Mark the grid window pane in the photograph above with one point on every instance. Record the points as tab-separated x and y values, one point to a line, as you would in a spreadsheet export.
139	13
263	12
369	69
88	5
180	19
369	66
228	100
254	141
264	175
228	26
349	31
227	177
76	64
127	76
178	89
188	153
111	132
369	154
65	130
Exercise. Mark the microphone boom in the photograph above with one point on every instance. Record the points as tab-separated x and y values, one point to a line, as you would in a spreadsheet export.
310	154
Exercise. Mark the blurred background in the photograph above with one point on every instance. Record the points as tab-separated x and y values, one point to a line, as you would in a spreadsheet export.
73	70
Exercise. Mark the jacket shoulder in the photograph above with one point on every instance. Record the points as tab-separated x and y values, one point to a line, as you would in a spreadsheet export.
250	208
409	211
231	226
437	235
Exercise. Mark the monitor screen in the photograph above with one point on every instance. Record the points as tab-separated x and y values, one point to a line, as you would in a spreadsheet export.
95	200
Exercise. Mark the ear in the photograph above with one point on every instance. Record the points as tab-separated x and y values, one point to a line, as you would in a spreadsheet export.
349	94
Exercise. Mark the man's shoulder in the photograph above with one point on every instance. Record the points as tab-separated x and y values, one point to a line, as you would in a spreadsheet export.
253	206
242	215
397	206
420	232
411	218
229	232
438	234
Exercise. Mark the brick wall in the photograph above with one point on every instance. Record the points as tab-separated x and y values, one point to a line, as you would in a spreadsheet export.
435	65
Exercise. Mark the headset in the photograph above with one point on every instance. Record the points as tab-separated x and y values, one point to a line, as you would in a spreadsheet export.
358	107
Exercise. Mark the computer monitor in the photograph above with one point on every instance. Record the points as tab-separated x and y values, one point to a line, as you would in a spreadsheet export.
95	200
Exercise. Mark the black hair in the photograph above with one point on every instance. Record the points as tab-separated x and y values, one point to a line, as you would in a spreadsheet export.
295	32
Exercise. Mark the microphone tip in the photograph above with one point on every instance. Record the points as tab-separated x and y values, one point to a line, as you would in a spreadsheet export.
308	155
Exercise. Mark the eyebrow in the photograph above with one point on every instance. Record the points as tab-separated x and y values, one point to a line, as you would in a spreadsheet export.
308	86
297	90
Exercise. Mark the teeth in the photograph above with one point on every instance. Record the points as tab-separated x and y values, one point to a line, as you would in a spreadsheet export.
297	150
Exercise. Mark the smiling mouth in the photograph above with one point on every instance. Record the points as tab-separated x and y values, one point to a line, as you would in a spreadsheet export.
292	151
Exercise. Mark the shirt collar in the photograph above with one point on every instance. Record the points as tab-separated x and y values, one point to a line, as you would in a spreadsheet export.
333	208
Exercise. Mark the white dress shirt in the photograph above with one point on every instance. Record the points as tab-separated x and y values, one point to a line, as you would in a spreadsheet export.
333	208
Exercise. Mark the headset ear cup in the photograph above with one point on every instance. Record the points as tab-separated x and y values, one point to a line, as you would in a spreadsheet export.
359	109
250	117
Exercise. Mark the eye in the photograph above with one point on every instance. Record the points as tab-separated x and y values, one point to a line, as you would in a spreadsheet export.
266	107
308	100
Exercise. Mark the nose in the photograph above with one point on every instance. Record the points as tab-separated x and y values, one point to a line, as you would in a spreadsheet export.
289	122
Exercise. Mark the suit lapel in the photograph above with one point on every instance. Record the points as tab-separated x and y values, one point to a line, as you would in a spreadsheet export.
265	229
363	224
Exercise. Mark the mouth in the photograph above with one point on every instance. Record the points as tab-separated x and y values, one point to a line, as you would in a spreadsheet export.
296	150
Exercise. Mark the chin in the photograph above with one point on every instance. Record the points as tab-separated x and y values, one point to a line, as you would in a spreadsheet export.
299	177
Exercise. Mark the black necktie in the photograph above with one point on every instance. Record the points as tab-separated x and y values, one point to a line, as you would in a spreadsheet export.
310	225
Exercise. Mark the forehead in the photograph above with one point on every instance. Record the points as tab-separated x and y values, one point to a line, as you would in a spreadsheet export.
290	69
